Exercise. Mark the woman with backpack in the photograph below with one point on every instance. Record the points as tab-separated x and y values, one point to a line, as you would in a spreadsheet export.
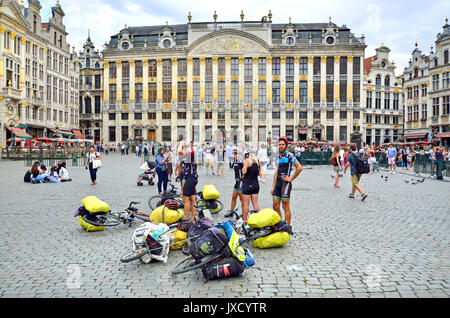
161	169
336	163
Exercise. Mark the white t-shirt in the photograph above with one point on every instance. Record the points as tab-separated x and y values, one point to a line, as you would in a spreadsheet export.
92	156
208	153
341	154
63	173
262	155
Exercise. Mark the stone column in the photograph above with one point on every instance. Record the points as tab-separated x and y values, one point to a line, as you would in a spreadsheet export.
119	82
189	79
159	80
255	105
349	92
296	95
174	108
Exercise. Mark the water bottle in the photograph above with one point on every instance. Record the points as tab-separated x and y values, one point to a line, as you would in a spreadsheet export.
207	214
239	226
156	234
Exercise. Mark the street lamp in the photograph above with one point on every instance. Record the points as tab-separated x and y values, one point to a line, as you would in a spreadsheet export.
269	143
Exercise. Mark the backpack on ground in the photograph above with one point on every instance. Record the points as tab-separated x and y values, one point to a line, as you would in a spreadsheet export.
199	227
276	239
95	205
211	241
179	239
223	268
89	227
263	218
162	214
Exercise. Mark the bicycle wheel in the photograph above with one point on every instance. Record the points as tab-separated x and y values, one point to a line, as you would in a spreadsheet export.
189	263
185	249
219	207
154	202
102	220
134	255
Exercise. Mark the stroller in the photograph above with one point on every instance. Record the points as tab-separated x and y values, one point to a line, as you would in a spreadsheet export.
148	175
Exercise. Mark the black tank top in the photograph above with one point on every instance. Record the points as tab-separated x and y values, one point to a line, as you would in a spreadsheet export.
252	173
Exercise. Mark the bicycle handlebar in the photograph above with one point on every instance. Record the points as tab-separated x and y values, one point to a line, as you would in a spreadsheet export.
133	203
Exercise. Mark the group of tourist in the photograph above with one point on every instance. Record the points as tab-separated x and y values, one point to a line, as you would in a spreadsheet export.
38	173
248	167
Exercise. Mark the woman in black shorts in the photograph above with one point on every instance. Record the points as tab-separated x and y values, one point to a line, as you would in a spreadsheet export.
250	186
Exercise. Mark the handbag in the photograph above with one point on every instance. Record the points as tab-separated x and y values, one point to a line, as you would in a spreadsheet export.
96	163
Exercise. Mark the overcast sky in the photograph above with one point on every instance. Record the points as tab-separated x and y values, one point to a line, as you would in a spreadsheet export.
396	23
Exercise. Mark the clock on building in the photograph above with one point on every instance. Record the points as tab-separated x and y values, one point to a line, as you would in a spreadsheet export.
125	45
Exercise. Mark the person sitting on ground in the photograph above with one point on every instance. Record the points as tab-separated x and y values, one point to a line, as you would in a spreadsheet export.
63	174
27	176
36	174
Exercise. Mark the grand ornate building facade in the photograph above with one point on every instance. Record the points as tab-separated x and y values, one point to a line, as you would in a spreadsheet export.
427	92
243	81
38	73
383	114
91	92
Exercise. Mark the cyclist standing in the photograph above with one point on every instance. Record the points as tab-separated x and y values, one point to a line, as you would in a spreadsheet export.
282	181
237	164
190	179
250	186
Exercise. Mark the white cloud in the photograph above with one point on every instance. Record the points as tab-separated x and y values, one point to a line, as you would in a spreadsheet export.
394	23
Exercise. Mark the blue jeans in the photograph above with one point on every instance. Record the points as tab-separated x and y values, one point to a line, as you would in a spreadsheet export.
163	178
93	172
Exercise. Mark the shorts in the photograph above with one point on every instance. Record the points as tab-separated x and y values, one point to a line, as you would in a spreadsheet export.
336	169
208	162
220	164
282	190
391	161
189	186
355	179
264	165
250	188
238	186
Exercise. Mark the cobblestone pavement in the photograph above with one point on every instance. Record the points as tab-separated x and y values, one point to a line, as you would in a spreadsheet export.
395	244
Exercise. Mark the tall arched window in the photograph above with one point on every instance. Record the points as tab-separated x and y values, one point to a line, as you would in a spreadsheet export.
378	81
416	72
446	57
87	105
54	38
387	81
88	62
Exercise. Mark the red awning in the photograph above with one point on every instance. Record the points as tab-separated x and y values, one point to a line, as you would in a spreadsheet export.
78	134
302	131
416	135
64	132
19	132
443	135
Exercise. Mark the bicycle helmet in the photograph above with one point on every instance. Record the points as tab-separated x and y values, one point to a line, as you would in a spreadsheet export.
172	204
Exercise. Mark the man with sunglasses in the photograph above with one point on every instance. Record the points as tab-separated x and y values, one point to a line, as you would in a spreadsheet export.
282	181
